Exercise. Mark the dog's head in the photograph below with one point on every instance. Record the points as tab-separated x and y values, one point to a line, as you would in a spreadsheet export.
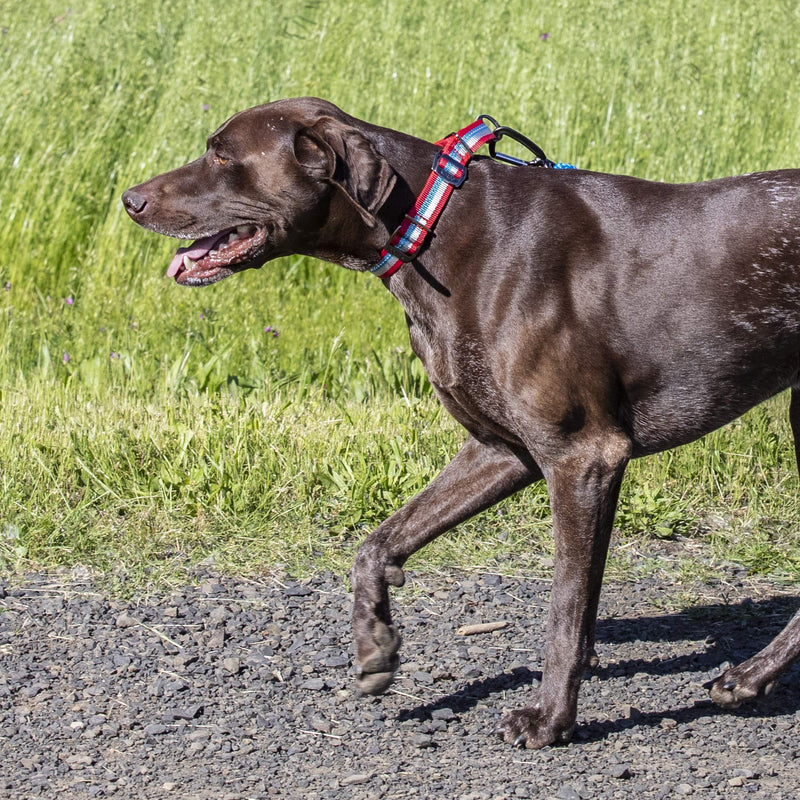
295	176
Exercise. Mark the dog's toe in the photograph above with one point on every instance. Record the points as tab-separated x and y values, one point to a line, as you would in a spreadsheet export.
740	684
534	728
374	682
376	670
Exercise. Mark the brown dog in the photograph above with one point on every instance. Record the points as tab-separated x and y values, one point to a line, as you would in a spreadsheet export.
570	321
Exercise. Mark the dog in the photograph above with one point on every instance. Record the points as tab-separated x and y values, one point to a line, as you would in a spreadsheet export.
569	320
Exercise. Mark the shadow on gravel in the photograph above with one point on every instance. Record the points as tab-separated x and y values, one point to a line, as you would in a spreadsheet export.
784	700
474	692
732	632
725	632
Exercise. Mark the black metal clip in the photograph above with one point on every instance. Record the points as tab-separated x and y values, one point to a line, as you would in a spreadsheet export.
500	131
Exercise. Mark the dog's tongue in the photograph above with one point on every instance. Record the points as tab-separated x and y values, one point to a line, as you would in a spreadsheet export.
195	251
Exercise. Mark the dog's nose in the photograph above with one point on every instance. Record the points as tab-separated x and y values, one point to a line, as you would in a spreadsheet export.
134	202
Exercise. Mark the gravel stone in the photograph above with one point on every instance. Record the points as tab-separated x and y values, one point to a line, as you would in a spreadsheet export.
243	688
355	780
620	772
232	665
155	729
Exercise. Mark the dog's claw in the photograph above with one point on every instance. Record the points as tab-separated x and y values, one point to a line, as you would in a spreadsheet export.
752	679
534	728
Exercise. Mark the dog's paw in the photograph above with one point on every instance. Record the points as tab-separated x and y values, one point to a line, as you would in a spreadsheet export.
534	728
378	660
742	683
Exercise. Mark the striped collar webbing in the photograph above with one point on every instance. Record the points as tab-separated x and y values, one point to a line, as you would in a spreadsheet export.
449	171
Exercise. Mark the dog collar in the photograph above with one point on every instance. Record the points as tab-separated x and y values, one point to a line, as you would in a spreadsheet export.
448	172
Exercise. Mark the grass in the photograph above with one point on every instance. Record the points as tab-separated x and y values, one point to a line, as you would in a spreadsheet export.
145	426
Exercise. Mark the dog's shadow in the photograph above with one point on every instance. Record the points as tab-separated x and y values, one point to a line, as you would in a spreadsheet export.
730	633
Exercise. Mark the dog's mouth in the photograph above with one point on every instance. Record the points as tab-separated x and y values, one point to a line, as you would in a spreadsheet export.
213	258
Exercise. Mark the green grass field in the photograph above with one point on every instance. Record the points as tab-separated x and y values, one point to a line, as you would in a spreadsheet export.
275	417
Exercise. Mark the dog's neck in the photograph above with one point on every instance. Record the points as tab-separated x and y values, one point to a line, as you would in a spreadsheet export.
357	246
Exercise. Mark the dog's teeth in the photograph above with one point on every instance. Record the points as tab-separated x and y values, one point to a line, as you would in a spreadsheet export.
188	263
243	231
233	237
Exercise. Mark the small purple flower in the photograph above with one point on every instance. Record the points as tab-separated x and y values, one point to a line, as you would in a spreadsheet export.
114	355
202	316
65	358
206	106
544	36
69	300
274	331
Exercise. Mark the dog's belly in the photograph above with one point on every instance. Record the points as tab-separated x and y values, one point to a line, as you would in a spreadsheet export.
687	405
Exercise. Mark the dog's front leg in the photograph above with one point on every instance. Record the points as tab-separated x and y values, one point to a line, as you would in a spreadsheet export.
479	476
584	487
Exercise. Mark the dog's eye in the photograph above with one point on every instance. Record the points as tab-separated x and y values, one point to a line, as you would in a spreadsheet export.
221	160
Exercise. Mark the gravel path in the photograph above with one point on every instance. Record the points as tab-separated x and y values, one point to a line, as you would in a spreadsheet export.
235	689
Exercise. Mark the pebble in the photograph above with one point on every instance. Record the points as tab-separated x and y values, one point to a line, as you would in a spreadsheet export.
192	712
232	664
155	729
620	772
355	780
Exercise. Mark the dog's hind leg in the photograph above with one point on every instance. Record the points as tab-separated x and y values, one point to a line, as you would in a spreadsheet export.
757	676
480	475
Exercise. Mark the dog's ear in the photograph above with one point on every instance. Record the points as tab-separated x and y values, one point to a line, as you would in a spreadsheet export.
332	150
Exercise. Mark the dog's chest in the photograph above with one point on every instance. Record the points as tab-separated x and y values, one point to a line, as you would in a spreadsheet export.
458	371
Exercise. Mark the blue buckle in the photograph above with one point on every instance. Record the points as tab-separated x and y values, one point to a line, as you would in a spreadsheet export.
440	169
